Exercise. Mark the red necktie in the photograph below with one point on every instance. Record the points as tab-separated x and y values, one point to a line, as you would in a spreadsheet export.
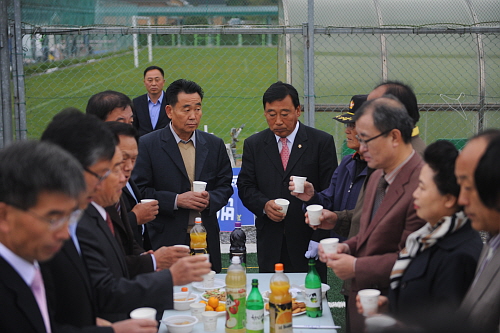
285	153
110	224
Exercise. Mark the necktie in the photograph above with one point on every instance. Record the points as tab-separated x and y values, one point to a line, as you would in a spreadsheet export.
118	207
110	224
285	153
39	292
379	194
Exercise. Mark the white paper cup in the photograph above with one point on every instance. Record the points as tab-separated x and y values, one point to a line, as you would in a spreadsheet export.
143	313
283	203
209	320
314	212
369	301
208	279
182	246
197	310
379	323
199	186
147	200
299	184
329	245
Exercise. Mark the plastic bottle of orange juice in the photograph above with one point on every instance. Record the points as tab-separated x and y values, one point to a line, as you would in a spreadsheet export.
280	302
198	236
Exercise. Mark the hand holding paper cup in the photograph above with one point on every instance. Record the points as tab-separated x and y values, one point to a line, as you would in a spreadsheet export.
329	245
369	301
283	203
143	313
314	212
143	201
199	186
299	184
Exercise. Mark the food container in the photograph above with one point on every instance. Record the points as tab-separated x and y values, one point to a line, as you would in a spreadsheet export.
180	324
180	302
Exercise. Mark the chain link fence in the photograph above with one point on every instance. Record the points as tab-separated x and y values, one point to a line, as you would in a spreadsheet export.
454	71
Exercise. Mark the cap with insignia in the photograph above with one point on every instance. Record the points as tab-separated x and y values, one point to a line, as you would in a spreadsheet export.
356	102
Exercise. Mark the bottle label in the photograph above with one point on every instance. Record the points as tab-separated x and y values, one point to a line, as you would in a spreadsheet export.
235	308
280	318
255	321
313	300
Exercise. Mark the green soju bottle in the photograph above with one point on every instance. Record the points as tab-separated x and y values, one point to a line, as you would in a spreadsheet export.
255	310
312	293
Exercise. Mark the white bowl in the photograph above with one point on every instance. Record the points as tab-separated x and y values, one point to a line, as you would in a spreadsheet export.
173	326
324	289
265	294
184	305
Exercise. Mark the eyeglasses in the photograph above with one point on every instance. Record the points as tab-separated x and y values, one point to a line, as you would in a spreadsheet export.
55	222
365	142
100	178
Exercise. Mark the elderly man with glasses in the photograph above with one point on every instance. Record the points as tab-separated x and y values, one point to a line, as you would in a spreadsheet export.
388	216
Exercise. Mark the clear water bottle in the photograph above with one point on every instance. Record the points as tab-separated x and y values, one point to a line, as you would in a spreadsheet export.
238	247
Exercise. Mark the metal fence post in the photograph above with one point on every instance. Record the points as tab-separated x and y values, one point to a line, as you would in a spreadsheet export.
6	120
309	66
18	76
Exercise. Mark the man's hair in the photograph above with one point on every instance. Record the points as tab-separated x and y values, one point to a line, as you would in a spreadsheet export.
441	156
118	128
405	95
278	92
388	114
150	68
29	168
181	85
82	135
101	104
487	175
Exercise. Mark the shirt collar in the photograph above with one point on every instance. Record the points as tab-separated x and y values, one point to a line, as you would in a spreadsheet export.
177	139
291	137
25	269
100	209
389	178
159	99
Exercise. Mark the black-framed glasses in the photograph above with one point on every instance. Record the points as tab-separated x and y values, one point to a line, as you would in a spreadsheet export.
99	178
55	222
365	142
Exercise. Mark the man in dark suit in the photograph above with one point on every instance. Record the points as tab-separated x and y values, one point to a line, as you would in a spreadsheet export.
388	215
477	174
171	159
116	293
264	177
40	189
149	109
137	261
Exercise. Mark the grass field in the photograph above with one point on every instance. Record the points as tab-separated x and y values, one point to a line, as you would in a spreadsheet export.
234	79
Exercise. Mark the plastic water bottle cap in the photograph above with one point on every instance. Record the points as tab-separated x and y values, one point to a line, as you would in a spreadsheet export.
197	220
278	267
235	260
237	224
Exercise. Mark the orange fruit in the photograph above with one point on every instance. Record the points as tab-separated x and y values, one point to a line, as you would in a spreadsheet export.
213	302
220	308
202	301
209	308
285	317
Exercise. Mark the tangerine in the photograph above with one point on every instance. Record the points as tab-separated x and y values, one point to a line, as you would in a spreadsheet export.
202	301
220	308
209	308
213	302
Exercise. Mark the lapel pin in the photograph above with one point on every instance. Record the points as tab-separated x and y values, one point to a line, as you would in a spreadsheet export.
300	146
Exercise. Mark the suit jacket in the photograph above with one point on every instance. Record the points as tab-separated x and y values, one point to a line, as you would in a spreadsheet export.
129	201
20	312
136	263
160	174
437	279
380	238
262	178
142	120
481	305
116	293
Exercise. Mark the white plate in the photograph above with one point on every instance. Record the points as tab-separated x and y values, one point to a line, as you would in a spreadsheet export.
266	313
265	294
206	299
217	284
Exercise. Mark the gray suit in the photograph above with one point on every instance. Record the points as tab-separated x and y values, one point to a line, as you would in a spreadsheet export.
481	305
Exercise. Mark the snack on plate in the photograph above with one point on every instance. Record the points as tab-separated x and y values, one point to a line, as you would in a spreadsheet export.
217	293
297	307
